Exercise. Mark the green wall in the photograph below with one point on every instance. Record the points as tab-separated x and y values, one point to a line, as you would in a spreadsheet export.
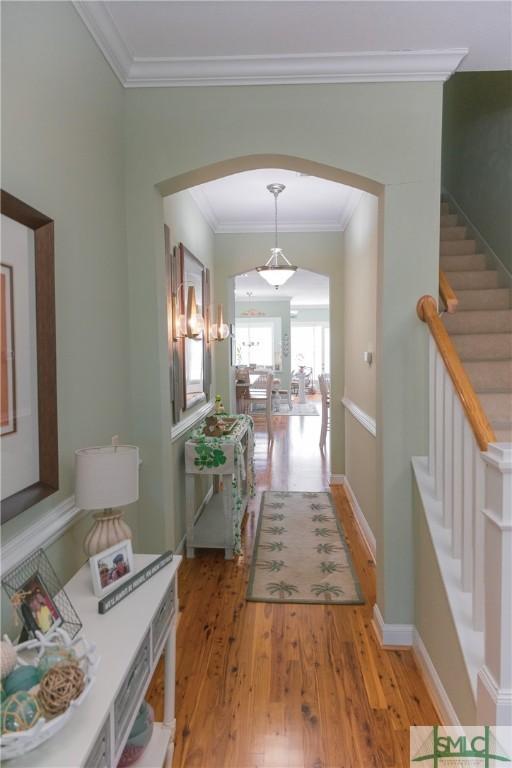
62	119
188	226
361	244
477	153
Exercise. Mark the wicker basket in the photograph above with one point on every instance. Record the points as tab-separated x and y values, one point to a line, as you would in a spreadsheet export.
17	743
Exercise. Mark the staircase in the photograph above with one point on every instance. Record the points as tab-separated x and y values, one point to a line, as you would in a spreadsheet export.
481	327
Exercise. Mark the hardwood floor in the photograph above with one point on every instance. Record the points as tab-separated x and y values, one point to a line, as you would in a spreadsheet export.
263	685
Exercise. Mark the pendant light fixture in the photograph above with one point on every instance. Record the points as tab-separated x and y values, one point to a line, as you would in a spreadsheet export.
278	269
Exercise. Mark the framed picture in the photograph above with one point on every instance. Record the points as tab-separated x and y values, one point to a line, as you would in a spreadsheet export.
7	381
28	377
110	568
37	595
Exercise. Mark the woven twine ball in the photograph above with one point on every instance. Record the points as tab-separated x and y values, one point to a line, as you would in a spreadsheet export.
19	712
7	659
59	687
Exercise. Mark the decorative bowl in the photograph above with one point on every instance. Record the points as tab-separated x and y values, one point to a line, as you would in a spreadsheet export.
16	743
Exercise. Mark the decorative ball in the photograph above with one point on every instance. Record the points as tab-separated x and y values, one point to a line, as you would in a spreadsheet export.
20	711
21	679
53	656
7	659
59	687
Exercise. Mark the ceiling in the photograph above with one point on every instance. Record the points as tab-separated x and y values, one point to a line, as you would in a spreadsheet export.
252	41
242	203
304	288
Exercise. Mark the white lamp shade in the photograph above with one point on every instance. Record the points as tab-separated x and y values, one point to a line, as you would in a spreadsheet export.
106	476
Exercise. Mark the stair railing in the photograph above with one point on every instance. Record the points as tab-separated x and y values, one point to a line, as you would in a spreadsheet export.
472	480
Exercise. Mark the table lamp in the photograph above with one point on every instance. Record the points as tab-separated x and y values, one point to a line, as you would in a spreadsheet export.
106	477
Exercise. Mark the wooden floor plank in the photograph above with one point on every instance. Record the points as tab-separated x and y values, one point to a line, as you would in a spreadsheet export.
263	685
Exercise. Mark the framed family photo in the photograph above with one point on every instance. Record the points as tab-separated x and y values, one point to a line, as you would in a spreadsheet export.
38	597
110	568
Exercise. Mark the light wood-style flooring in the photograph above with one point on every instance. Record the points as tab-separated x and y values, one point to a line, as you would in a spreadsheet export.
263	685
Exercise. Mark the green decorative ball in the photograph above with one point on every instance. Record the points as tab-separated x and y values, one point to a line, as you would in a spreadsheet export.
53	656
21	679
19	712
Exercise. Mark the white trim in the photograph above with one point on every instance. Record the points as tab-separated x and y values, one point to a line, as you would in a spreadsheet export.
361	416
362	523
188	422
392	635
278	69
202	202
337	480
433	682
494	703
241	227
48	527
107	37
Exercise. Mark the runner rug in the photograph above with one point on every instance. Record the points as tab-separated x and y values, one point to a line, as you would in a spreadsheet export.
300	553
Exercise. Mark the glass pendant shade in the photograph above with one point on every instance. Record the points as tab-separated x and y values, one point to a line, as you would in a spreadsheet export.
278	269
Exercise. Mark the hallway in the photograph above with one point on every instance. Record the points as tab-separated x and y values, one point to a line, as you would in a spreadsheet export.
288	686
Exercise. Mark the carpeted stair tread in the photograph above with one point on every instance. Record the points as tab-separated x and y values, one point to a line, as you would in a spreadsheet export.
490	375
479	321
449	220
468	261
445	207
453	233
483	346
457	247
470	279
498	407
485	298
503	435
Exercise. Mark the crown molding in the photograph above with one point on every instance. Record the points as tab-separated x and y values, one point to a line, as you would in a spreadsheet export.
107	37
286	69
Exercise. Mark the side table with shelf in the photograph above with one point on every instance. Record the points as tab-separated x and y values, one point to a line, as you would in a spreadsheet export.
229	460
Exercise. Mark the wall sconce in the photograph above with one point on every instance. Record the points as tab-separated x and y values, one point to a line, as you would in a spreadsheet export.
219	330
188	323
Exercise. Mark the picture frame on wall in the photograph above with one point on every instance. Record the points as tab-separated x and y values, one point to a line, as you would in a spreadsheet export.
38	597
7	352
28	434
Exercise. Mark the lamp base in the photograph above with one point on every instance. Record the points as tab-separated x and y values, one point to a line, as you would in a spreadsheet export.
109	529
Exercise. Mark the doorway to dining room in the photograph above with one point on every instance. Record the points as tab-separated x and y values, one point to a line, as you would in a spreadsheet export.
284	334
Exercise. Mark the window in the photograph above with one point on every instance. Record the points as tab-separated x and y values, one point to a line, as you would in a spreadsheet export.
310	346
258	342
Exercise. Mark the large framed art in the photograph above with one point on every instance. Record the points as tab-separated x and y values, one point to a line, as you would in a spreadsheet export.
28	418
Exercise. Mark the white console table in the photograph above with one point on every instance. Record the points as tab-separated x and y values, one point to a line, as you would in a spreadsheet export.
130	639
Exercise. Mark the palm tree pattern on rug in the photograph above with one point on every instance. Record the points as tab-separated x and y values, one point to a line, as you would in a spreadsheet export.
300	540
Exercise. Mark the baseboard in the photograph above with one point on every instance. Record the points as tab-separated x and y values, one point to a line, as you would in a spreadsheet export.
392	635
433	682
362	523
337	480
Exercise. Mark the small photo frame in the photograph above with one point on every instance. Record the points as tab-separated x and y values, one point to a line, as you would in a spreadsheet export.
39	598
110	568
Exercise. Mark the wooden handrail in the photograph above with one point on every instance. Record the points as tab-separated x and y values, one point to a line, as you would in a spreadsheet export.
447	293
484	434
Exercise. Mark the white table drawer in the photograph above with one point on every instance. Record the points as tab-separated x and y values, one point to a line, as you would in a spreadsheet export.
163	616
129	698
99	756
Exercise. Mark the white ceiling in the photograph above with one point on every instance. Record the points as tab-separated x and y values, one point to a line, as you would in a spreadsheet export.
252	41
304	288
242	203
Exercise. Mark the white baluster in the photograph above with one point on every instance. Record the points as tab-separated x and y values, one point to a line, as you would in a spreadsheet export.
432	354
448	447
467	508
458	479
478	538
439	428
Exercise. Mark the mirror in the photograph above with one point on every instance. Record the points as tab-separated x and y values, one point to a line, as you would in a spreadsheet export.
193	277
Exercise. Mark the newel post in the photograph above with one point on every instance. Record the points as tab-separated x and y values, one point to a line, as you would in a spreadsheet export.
494	689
